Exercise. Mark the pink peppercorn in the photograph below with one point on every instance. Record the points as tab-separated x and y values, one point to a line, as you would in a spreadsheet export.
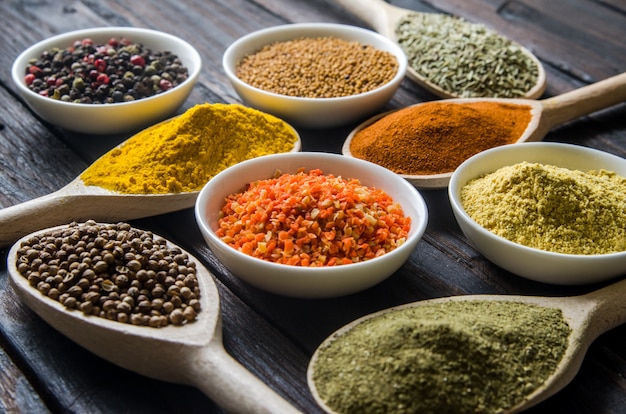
137	60
100	65
28	79
102	79
35	70
164	84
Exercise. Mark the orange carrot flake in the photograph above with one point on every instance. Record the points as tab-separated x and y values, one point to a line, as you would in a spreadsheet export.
311	219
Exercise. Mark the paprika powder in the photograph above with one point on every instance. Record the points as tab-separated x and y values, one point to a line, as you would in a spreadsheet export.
436	137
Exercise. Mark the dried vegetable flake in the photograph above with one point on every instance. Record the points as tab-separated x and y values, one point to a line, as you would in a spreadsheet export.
312	219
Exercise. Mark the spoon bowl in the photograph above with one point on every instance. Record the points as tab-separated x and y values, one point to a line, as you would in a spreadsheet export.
384	17
545	115
191	354
77	201
588	316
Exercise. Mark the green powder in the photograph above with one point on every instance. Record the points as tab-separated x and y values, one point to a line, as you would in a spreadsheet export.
453	357
551	208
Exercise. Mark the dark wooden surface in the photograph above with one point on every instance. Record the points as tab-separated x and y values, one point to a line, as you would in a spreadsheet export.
579	42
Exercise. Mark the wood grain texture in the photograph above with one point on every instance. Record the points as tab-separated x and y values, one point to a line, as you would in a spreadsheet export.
578	41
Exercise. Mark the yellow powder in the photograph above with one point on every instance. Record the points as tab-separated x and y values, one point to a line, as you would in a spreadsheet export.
182	154
551	208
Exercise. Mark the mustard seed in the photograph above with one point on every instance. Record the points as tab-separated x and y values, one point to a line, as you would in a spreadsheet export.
318	67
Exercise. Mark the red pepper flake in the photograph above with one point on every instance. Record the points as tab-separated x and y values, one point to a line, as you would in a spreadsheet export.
311	219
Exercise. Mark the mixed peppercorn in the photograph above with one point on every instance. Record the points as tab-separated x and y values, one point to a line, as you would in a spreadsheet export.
118	71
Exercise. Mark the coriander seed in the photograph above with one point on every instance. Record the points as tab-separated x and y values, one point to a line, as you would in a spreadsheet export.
104	270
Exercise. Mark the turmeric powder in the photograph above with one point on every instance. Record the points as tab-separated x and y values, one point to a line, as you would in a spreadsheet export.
182	154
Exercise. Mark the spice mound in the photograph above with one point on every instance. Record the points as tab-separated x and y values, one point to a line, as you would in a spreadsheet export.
451	357
436	137
465	59
182	154
118	71
318	67
113	271
311	219
551	208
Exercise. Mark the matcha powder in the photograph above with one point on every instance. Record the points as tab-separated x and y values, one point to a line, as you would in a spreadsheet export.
452	357
551	208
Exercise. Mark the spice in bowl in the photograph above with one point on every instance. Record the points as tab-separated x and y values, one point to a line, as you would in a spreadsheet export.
465	59
551	208
183	153
318	67
112	271
118	71
436	137
310	219
447	357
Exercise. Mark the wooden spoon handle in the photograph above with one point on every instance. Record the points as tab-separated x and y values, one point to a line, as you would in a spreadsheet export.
588	99
610	309
21	219
233	387
380	15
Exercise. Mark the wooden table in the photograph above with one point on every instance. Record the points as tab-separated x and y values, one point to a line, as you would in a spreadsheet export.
579	42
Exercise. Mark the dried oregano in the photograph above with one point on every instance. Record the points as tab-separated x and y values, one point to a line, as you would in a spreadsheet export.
454	357
113	271
465	59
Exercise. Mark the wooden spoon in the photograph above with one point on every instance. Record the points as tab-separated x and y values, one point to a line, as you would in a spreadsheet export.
384	17
78	202
192	354
588	316
545	115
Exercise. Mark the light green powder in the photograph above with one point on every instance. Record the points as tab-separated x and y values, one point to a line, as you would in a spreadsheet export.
551	208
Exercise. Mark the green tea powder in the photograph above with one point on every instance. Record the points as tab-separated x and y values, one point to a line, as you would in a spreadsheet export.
452	357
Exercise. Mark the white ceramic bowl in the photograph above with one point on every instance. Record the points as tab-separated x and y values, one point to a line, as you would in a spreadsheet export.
309	282
313	112
535	264
110	118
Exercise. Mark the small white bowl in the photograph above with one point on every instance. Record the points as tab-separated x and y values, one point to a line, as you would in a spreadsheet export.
313	112
531	263
102	119
309	282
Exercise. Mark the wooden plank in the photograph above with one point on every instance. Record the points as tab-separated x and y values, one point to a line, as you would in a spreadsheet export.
576	37
274	336
18	394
